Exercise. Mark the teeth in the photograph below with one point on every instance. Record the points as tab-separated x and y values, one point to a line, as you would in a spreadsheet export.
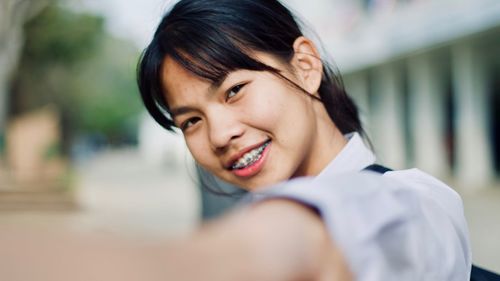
249	157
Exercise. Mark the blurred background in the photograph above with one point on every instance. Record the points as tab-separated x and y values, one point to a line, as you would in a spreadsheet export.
78	152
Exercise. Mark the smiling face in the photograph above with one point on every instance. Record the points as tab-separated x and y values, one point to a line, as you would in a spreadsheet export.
255	129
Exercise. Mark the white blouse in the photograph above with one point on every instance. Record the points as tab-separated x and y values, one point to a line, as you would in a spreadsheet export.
403	225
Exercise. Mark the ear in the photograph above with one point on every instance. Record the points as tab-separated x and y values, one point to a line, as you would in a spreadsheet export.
307	64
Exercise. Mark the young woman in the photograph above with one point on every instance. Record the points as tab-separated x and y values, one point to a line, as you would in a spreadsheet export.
260	108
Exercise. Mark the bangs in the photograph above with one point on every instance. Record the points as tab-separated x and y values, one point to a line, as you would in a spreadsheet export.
210	54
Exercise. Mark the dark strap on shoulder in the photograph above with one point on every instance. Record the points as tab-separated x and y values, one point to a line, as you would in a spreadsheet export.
480	274
477	273
377	169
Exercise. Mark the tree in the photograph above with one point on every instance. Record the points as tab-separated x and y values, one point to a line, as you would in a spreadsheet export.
70	61
13	14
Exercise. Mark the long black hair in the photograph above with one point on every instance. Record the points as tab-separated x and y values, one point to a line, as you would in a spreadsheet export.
211	38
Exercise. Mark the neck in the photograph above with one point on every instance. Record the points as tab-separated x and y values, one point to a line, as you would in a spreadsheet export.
327	145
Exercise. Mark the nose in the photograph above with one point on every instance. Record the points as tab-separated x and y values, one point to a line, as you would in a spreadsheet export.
223	128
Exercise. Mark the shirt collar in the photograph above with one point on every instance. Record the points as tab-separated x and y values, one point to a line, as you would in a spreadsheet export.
355	156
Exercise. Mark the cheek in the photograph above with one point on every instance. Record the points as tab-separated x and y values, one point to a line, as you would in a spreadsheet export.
263	111
199	150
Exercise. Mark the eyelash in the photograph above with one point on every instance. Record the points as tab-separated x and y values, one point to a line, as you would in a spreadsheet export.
236	89
185	125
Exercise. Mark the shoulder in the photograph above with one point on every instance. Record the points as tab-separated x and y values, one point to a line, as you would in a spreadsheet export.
430	189
381	221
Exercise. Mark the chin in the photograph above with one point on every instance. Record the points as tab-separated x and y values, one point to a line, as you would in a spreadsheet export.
259	184
247	185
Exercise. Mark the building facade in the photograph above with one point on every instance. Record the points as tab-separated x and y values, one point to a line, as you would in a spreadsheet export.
426	76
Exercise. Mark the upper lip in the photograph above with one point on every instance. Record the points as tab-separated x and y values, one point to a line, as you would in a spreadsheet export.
239	154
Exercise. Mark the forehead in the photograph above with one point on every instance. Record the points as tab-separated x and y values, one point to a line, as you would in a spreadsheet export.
177	81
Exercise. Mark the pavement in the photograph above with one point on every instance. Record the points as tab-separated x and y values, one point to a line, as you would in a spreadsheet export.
120	192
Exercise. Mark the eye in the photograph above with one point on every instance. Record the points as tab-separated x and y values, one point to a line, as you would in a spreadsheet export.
188	123
234	91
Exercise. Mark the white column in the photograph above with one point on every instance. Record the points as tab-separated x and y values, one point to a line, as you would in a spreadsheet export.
387	119
356	85
473	149
426	87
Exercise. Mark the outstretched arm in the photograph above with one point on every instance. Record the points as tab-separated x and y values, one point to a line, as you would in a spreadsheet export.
273	240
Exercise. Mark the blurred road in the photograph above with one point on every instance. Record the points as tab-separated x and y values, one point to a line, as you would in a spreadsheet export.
126	191
119	192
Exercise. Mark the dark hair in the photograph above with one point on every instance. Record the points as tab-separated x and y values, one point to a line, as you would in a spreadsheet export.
212	38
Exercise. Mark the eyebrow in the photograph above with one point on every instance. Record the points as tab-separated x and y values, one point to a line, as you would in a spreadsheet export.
180	110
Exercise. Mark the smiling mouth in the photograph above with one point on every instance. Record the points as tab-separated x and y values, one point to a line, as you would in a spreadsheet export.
250	157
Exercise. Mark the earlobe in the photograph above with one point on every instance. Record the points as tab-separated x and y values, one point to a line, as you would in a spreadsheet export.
307	63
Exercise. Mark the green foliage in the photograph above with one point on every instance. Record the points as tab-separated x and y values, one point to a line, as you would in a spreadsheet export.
57	35
2	143
52	151
70	61
110	101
